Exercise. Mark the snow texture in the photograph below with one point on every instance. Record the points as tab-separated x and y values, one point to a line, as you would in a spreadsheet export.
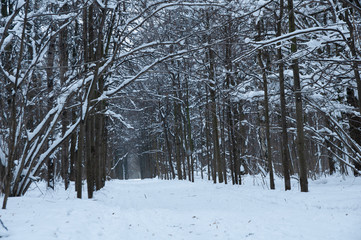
156	209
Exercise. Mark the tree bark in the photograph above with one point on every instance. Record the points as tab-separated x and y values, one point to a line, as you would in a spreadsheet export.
267	121
177	132
284	142
79	168
167	144
50	88
299	109
63	62
213	110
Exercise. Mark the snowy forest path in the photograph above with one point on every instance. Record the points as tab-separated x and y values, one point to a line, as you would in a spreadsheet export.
155	209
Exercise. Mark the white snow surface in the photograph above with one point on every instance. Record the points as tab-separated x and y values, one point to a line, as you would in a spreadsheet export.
160	209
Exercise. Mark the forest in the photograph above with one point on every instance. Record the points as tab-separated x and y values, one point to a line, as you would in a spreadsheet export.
217	89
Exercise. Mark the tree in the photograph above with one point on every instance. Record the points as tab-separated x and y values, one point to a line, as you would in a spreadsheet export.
298	98
284	142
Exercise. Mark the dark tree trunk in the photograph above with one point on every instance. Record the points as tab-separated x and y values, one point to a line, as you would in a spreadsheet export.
79	168
63	62
213	110
331	161
299	109
354	124
50	88
89	155
167	143
266	110
284	142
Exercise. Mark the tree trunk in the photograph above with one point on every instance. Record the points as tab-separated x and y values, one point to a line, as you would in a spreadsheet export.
12	103
167	144
299	110
79	168
177	135
50	88
90	155
267	121
284	142
213	111
207	133
63	62
188	127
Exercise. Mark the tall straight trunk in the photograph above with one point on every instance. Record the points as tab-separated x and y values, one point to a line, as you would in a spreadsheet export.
267	121
233	147
85	36
74	135
90	155
230	133
79	163
3	169
80	152
230	148
102	140
50	88
169	153
157	159
202	142
210	60
236	127
213	112
104	153
284	142
63	62
298	97
177	137
210	161
232	144
185	151
167	144
190	147
177	112
12	100
266	108
229	81
184	145
223	142
99	158
97	149
331	162
73	152
100	119
241	137
12	148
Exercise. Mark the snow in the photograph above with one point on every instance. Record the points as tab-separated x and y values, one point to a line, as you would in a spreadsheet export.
119	117
300	32
157	209
249	95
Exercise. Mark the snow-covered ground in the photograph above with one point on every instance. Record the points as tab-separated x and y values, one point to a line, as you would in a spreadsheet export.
155	209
